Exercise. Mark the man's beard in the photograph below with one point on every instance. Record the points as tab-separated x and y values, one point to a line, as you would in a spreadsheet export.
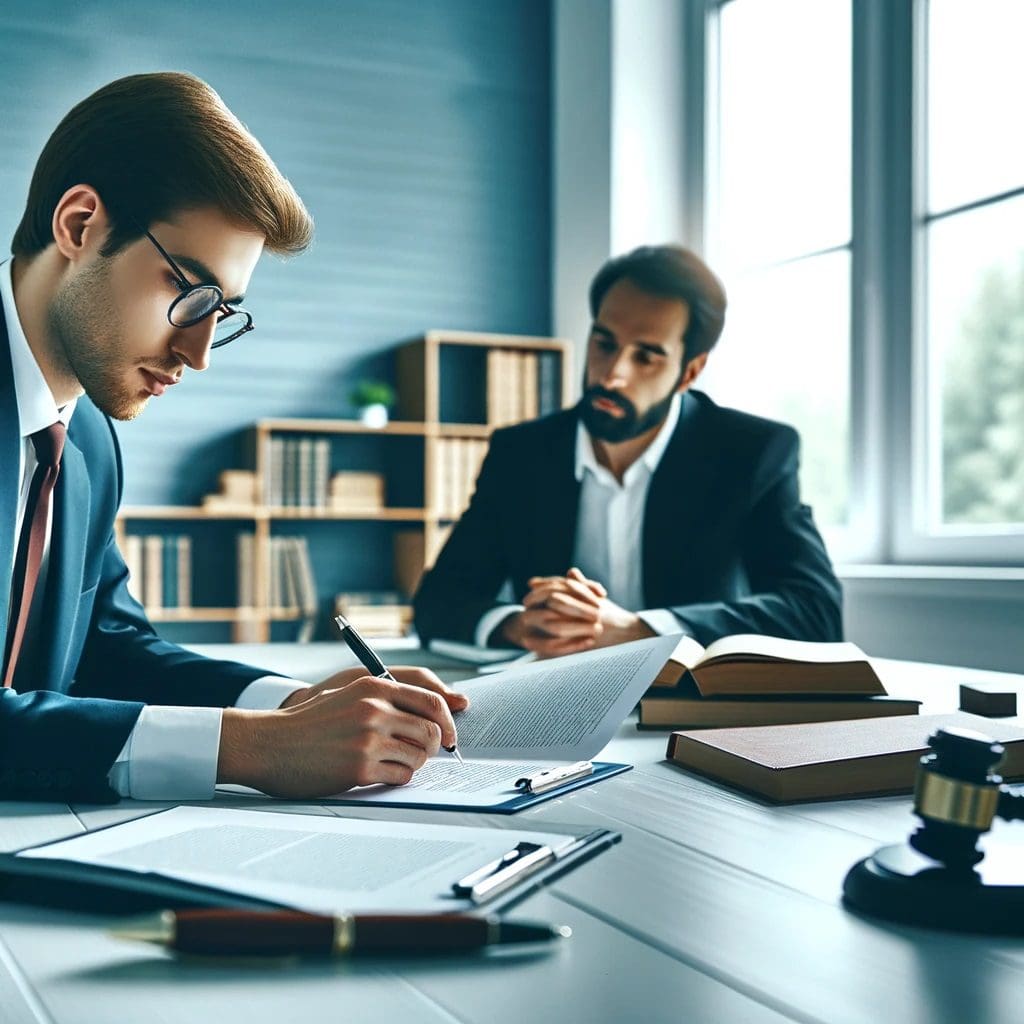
87	329
615	429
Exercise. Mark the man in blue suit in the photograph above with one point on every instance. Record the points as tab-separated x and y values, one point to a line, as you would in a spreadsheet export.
647	508
147	212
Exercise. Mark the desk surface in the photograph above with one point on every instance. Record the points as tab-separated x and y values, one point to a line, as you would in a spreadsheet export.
715	907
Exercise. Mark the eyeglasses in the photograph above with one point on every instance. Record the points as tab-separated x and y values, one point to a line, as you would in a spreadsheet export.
196	302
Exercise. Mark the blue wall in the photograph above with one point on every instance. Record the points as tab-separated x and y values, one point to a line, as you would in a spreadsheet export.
417	132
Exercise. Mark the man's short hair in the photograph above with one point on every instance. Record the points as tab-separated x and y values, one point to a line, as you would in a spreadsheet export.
152	146
670	272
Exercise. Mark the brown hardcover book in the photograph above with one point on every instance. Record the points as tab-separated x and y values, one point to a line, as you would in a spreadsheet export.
828	760
669	711
748	664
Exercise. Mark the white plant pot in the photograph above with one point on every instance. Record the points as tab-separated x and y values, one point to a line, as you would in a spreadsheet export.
374	415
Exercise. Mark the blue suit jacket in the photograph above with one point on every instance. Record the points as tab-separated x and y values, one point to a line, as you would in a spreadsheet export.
727	544
95	660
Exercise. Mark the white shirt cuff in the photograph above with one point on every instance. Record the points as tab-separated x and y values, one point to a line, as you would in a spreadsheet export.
268	693
170	754
662	621
490	621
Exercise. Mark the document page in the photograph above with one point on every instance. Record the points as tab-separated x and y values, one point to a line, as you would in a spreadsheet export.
443	781
318	864
565	709
528	719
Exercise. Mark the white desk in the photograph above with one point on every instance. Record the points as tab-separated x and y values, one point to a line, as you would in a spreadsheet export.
715	907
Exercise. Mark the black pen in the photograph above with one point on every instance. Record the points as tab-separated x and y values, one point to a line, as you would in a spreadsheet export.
369	660
289	932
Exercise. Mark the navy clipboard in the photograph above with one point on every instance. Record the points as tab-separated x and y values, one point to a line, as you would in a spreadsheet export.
515	801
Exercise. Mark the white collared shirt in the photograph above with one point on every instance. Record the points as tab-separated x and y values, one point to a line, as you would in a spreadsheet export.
171	753
609	529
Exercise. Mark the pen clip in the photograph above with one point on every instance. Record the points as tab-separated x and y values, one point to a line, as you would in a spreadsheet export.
551	778
508	870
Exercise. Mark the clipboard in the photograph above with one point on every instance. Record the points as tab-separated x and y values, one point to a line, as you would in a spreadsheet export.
517	801
100	888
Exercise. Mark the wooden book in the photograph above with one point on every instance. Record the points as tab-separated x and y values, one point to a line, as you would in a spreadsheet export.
827	760
748	664
664	711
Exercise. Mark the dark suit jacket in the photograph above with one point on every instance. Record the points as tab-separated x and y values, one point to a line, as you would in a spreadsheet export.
727	545
97	660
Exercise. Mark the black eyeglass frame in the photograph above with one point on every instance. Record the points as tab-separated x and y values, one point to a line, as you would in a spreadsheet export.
187	289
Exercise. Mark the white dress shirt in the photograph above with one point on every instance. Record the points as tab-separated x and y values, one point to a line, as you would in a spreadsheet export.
171	753
609	530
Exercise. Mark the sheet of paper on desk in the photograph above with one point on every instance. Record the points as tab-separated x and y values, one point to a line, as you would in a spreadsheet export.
528	719
323	864
565	709
443	781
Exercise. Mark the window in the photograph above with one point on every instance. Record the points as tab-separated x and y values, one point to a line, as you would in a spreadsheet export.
780	226
864	197
971	447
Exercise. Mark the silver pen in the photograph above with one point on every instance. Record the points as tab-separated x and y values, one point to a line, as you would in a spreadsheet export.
369	660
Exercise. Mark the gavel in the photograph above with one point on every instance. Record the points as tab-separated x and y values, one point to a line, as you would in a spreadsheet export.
957	796
937	879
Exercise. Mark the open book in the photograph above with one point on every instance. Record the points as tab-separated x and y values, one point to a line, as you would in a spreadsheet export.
762	680
749	664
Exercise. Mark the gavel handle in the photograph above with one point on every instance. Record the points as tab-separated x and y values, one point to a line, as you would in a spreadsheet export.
1010	806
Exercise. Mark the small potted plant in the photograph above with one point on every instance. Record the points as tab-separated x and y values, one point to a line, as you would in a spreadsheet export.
373	398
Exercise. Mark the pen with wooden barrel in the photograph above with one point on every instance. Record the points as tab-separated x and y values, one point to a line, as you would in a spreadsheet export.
286	932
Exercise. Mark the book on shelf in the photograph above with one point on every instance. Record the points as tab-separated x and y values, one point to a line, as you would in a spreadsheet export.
245	547
133	560
298	473
304	454
528	391
351	491
239	486
829	760
169	571
511	386
301	568
756	680
457	465
321	472
274	482
159	570
380	614
153	572
184	571
549	382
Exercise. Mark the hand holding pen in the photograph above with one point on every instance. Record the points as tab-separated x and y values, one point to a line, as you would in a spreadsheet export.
348	730
371	662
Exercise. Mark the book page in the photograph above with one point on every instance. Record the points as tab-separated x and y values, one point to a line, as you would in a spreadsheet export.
774	647
565	709
323	864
